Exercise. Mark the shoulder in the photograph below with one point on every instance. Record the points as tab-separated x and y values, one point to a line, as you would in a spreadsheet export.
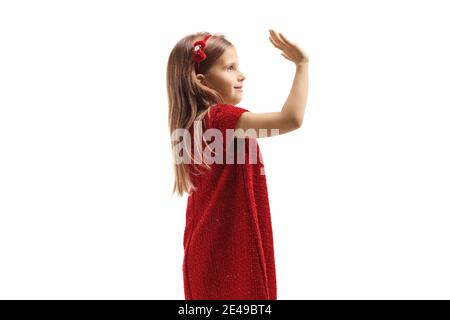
223	107
226	112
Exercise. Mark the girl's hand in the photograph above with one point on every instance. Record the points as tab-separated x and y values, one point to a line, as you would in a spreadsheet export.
291	50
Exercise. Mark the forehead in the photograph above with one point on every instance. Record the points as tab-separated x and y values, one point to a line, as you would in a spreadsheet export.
229	56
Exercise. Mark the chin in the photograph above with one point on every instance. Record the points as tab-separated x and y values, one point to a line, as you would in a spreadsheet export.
236	100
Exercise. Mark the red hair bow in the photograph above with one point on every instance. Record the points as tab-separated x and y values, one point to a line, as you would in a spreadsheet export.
198	54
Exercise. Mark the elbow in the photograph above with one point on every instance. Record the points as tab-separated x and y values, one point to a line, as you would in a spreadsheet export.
297	122
293	121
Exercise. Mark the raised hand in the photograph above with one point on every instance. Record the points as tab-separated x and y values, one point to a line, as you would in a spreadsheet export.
291	50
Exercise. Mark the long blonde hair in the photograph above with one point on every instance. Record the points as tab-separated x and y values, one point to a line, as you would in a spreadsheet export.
190	100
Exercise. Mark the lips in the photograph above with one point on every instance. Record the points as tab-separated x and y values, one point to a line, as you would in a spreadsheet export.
239	87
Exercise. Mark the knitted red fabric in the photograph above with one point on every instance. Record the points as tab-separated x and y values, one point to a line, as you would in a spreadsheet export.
228	242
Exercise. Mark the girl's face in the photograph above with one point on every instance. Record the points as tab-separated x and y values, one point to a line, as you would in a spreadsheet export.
225	78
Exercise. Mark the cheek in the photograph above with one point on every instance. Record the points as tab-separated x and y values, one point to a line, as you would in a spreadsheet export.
230	81
226	84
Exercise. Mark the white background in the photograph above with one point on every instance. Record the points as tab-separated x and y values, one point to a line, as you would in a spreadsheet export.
359	195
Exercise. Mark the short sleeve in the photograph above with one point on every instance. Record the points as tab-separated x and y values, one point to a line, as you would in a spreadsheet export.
226	117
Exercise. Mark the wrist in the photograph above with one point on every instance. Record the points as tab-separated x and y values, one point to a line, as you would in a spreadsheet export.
302	64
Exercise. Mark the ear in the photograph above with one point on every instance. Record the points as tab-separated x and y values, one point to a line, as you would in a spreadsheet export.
202	79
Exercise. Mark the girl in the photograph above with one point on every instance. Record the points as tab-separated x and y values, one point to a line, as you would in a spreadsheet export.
228	242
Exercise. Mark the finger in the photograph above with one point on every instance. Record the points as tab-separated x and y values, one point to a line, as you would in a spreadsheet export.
274	43
285	40
277	38
285	56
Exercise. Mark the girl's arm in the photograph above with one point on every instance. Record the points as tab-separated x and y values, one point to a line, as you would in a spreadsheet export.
291	115
295	104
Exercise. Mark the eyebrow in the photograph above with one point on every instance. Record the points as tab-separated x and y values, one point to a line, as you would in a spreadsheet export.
230	63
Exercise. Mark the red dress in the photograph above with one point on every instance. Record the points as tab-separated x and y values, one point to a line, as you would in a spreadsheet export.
228	242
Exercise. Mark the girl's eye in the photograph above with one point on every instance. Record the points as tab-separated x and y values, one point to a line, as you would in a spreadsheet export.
230	67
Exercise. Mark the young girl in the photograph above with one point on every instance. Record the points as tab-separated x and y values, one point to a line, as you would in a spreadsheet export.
228	242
